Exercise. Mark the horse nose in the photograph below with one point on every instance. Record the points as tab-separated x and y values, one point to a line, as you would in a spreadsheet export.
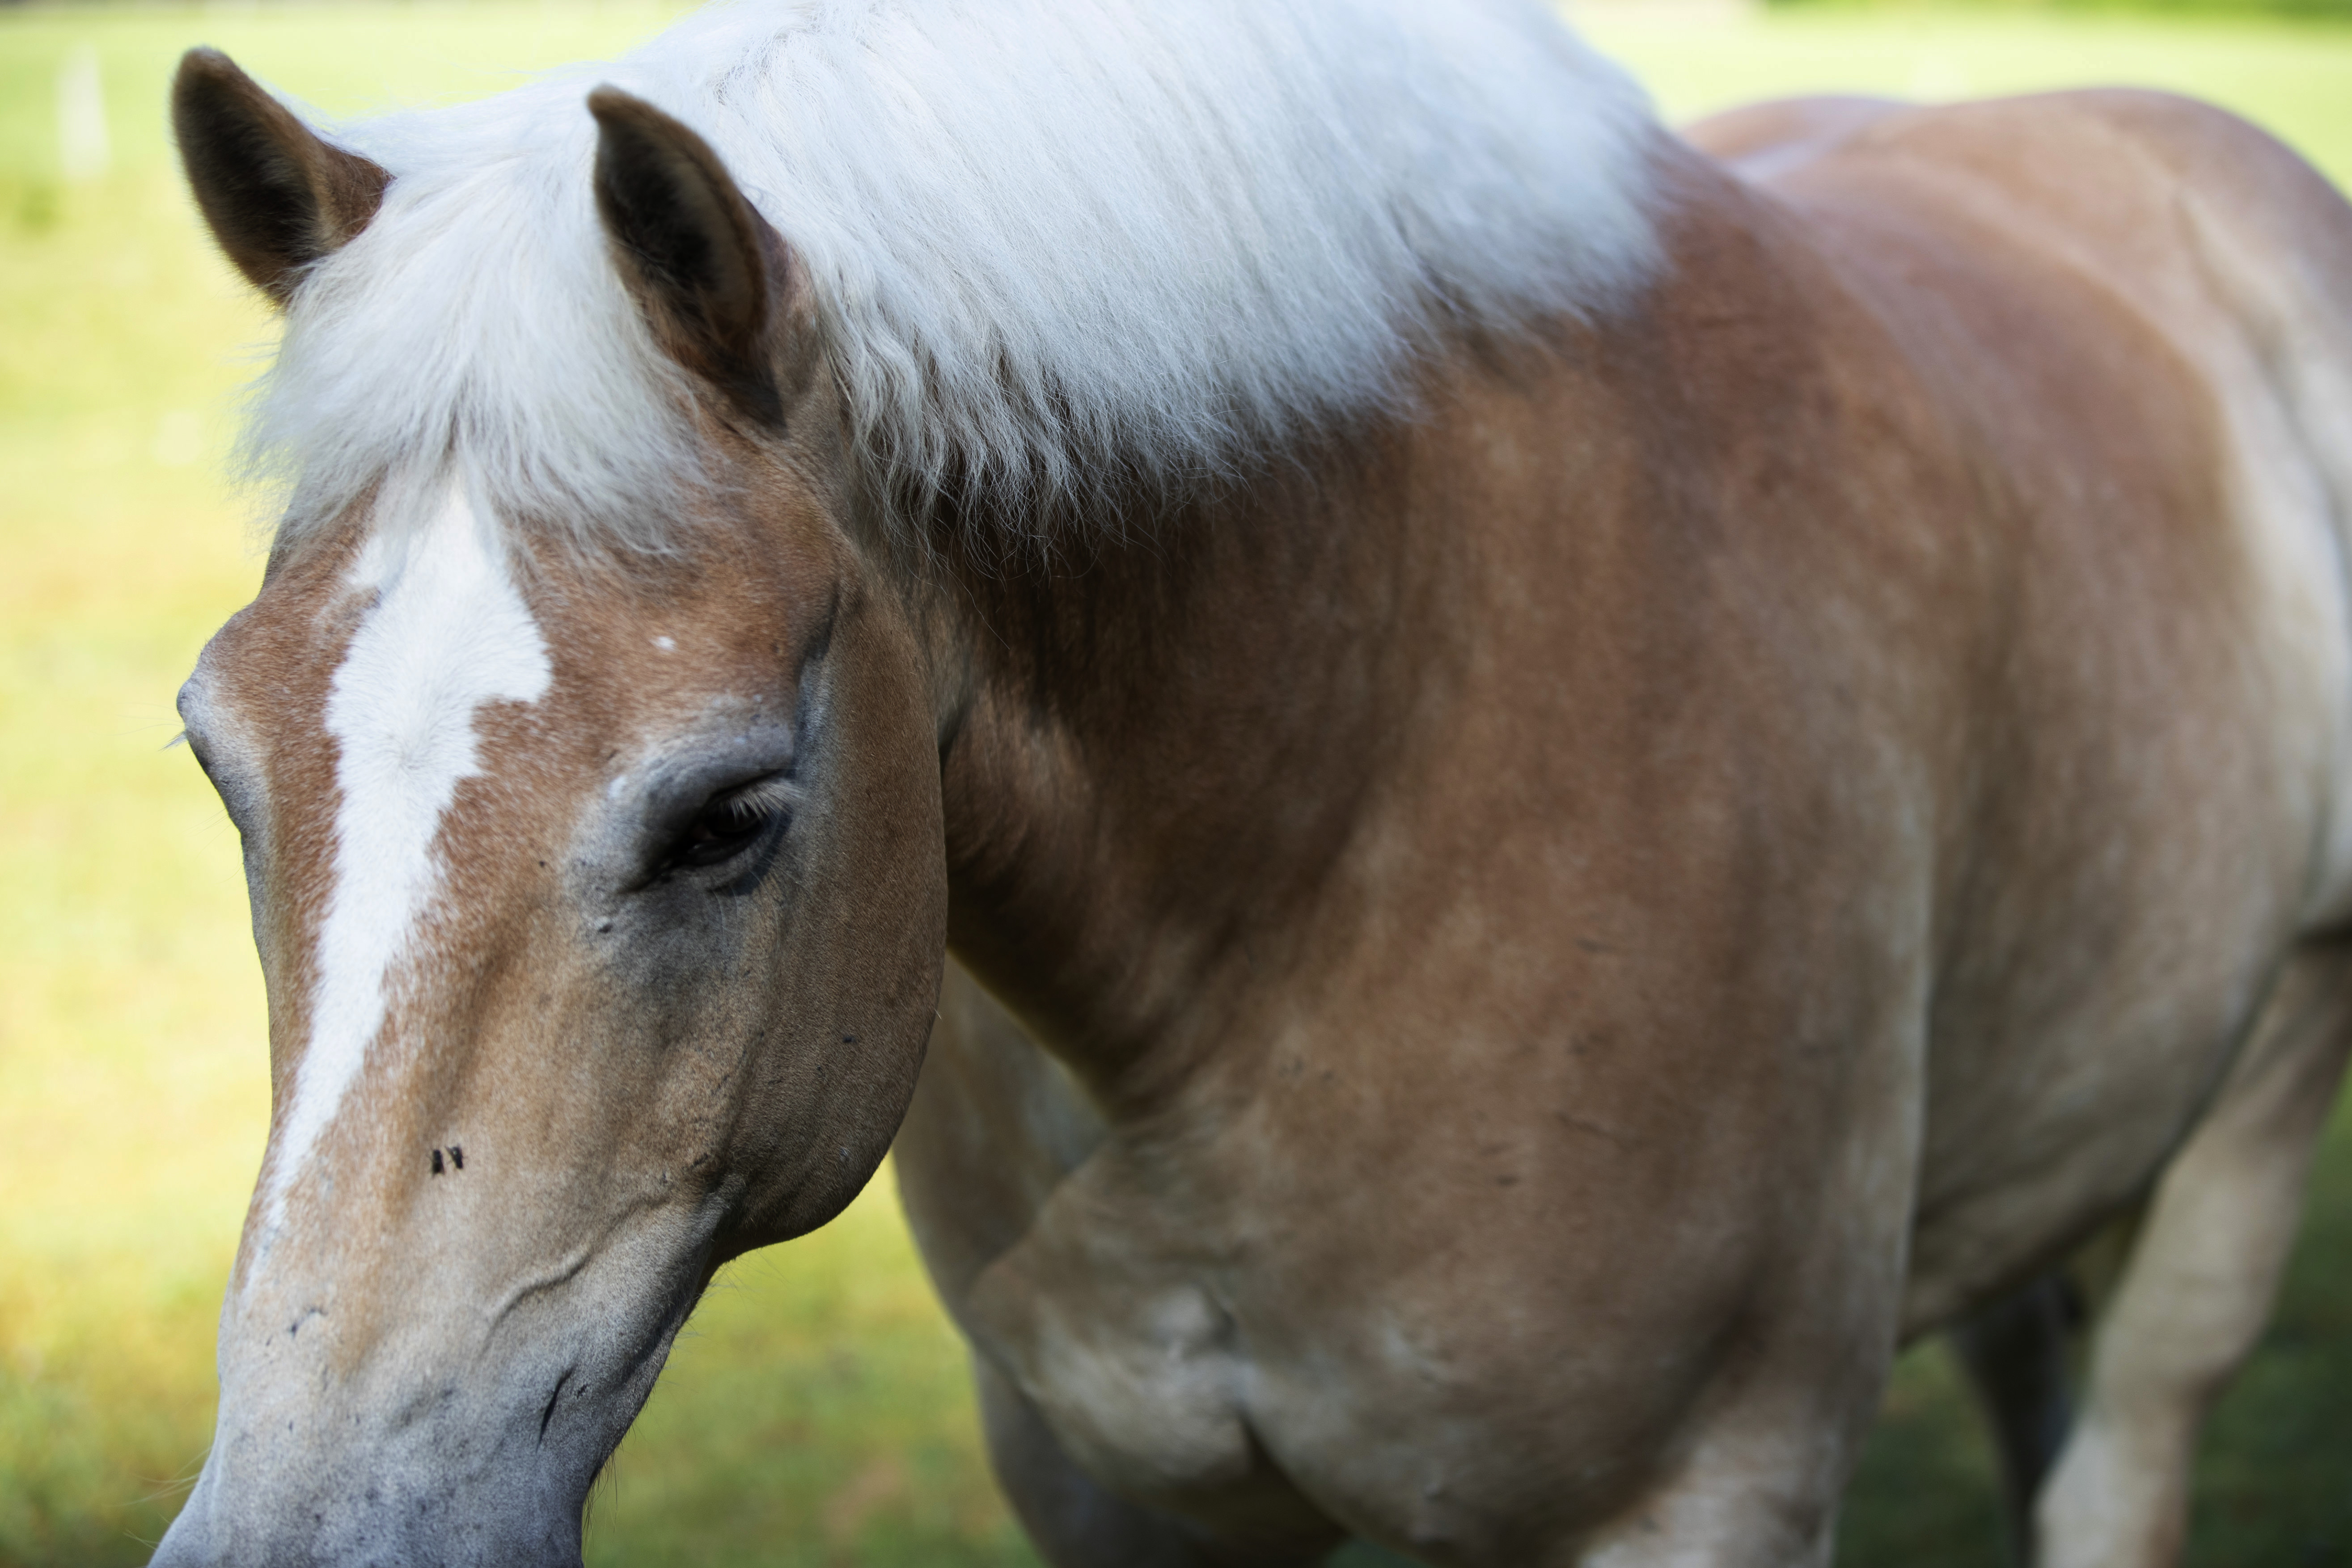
236	1528
385	1449
189	1543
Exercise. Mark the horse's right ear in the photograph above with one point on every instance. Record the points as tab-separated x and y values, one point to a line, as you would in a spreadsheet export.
277	196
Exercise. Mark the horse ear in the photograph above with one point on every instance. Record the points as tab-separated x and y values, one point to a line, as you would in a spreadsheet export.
278	197
699	260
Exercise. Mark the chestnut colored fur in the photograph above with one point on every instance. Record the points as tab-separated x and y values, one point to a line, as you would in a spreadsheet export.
1503	964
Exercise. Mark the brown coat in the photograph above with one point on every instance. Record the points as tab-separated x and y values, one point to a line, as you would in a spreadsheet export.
1532	944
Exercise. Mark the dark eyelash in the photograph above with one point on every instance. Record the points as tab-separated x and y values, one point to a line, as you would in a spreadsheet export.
755	802
727	823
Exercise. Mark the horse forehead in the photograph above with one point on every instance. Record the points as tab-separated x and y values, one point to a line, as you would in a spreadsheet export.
408	651
375	627
448	628
473	655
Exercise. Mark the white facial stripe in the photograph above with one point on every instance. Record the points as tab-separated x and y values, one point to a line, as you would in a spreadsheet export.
448	633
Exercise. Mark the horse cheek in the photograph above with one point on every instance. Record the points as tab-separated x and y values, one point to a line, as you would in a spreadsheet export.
848	1005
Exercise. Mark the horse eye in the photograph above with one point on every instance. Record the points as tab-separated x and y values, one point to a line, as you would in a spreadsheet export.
727	824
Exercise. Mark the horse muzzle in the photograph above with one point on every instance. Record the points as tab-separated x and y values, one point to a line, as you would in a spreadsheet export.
445	1426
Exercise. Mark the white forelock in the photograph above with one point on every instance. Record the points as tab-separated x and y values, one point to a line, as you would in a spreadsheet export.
1049	239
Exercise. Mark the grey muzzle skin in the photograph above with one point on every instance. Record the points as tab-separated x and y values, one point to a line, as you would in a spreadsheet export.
467	1436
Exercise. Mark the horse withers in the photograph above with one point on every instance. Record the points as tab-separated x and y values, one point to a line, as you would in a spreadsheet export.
1577	778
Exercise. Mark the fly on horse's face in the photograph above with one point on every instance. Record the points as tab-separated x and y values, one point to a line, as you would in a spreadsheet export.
602	909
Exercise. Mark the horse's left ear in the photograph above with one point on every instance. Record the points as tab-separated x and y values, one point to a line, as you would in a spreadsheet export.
702	264
277	196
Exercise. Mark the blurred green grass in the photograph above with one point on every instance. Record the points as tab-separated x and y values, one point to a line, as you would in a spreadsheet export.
817	1412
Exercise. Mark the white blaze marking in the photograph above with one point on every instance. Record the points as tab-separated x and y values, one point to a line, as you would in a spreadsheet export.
447	633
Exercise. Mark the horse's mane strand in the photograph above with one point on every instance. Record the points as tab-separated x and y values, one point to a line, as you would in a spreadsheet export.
1051	239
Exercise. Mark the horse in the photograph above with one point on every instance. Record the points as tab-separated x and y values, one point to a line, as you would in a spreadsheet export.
1579	777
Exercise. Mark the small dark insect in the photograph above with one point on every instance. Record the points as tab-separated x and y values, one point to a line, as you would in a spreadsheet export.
436	1161
456	1156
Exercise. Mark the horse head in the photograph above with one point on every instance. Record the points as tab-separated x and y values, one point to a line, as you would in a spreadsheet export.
601	899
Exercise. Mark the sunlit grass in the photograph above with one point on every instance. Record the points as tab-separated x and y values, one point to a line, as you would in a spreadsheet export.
818	1412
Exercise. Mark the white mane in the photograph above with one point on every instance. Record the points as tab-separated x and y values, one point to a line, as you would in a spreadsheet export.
1047	236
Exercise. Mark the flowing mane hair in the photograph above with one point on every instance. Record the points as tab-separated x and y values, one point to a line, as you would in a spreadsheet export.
1057	246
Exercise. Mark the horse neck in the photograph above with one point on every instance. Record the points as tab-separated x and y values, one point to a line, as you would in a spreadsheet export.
1164	743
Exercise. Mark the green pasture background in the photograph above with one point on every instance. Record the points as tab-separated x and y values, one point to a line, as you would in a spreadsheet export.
816	1411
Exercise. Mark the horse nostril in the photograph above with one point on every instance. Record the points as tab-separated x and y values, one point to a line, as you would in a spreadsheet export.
547	1413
